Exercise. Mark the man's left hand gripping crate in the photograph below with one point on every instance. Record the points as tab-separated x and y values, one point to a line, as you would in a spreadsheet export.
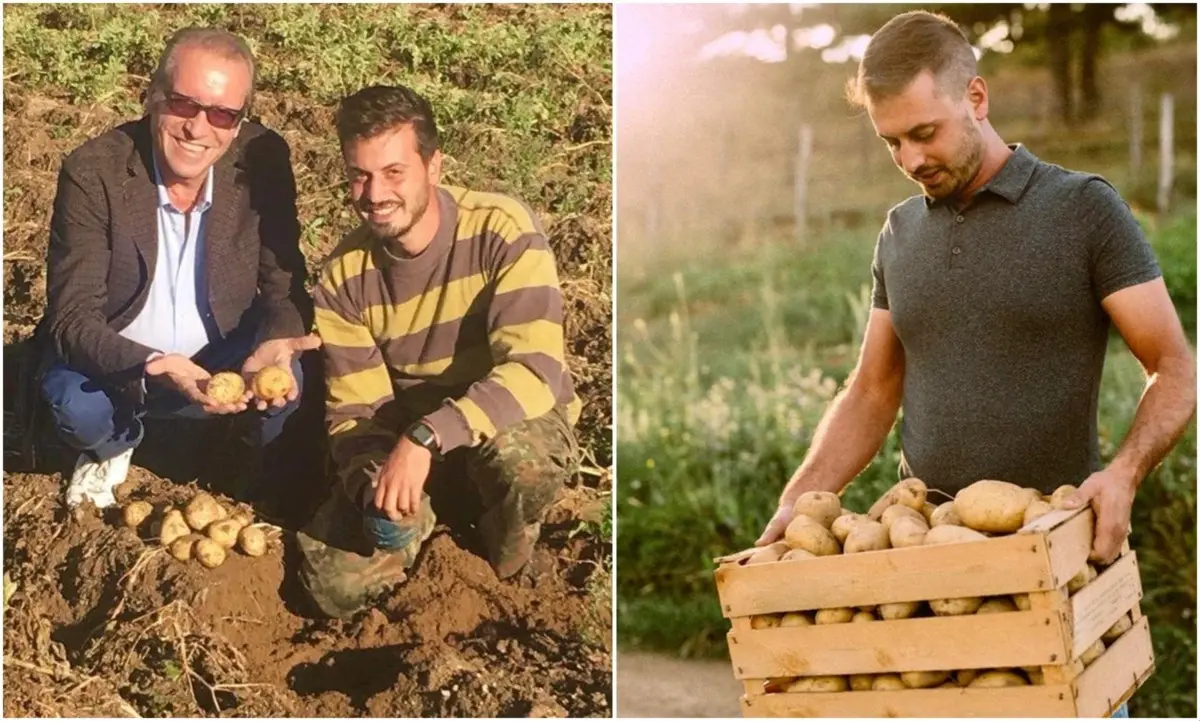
1052	639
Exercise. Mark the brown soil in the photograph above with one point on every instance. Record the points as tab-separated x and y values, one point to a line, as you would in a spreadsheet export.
101	622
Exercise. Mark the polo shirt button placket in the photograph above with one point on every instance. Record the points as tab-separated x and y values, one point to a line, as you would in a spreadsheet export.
956	247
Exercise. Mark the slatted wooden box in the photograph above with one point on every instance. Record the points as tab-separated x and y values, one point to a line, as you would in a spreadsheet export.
1038	560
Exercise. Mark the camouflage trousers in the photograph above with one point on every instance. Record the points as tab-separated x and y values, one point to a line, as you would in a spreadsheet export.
353	554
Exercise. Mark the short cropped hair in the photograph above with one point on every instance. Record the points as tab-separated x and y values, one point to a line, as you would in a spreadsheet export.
380	108
903	48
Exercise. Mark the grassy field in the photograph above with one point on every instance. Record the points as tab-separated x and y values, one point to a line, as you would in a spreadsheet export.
724	372
522	95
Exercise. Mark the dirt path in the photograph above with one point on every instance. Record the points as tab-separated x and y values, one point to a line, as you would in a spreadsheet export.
653	685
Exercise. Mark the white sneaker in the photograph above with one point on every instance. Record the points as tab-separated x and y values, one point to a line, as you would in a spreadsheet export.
96	481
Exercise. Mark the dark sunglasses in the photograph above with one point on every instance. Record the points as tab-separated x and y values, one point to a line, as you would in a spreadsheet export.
185	107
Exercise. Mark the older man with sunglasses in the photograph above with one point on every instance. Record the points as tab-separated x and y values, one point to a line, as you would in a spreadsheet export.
174	254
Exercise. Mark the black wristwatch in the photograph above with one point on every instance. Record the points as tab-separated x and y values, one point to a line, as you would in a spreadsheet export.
421	434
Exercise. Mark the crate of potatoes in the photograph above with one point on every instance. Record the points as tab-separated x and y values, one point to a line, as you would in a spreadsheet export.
981	606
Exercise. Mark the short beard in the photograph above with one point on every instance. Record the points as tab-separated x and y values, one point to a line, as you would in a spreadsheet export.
962	173
392	234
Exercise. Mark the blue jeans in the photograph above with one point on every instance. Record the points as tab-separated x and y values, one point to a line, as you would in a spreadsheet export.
1122	712
89	420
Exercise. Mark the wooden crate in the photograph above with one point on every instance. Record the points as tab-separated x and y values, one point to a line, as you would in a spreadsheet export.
1039	560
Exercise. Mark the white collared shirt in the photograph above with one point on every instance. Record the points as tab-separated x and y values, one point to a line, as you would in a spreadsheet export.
172	321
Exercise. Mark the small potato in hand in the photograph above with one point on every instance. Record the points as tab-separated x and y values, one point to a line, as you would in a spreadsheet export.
271	383
226	387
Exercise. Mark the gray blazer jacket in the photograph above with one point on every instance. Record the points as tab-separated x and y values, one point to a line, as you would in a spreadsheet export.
104	245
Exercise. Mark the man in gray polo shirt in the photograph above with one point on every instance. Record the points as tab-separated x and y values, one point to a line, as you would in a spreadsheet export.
993	296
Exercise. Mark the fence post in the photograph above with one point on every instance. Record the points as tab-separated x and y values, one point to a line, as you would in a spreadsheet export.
803	158
1166	142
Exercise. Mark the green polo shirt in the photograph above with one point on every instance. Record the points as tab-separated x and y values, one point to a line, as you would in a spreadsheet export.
998	308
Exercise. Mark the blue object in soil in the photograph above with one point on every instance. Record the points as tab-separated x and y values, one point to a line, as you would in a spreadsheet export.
385	533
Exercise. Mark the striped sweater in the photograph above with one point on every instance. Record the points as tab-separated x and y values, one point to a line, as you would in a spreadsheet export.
467	335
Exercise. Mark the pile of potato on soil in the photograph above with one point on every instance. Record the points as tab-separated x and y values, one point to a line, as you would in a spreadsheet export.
903	518
203	529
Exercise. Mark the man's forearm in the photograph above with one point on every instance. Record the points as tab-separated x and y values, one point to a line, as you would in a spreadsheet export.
847	438
1162	415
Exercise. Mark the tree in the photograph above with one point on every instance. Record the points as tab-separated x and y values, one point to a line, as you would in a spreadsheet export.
1056	30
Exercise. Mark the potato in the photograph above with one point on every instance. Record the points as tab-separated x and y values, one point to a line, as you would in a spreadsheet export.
1021	601
1036	677
867	609
768	554
995	506
766	620
224	532
1086	575
776	685
135	513
997	604
862	617
948	683
861	681
1059	498
1036	510
888	682
869	536
208	552
202	510
896	512
827	616
997	679
1092	653
821	506
907	532
956	606
910	492
1118	629
271	383
181	548
804	532
795	618
842	525
923	679
965	676
945	515
818	684
927	510
225	387
952	534
895	611
173	527
796	554
243	518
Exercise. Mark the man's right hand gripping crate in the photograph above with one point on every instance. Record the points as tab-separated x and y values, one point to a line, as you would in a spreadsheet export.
1048	640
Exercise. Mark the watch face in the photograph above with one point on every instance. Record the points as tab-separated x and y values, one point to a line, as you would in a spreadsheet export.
422	434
